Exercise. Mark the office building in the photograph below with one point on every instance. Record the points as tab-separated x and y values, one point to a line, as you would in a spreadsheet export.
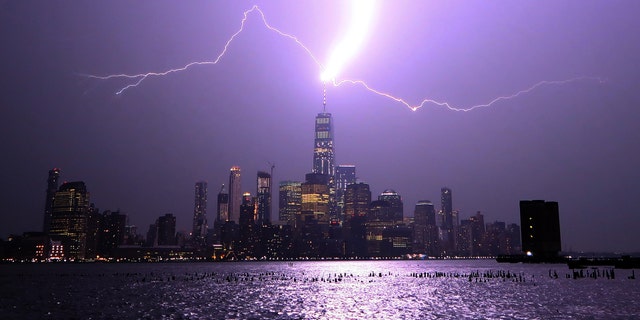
290	201
315	198
324	156
69	218
425	236
357	199
395	202
345	175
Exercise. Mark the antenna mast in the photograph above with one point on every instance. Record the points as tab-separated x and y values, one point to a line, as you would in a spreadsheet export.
324	97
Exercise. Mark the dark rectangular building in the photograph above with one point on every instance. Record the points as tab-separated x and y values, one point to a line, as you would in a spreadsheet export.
540	228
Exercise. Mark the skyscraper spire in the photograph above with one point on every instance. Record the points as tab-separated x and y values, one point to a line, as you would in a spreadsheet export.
324	97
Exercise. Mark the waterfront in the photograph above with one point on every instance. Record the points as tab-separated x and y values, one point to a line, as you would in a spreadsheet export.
429	289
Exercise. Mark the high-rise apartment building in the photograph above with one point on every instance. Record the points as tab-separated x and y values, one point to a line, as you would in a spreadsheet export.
52	188
540	228
263	198
69	218
199	232
235	194
222	212
290	201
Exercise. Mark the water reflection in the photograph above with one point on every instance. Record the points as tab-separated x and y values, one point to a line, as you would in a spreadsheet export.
313	290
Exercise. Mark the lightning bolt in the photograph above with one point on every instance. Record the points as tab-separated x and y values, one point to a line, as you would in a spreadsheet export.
454	108
140	77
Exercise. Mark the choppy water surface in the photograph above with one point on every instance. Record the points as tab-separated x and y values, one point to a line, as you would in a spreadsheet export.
468	289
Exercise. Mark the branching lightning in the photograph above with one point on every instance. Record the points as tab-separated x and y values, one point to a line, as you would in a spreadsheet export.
328	74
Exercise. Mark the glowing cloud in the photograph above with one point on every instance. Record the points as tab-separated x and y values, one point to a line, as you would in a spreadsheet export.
363	14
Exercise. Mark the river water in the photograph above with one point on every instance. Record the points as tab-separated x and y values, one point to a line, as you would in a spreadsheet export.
445	289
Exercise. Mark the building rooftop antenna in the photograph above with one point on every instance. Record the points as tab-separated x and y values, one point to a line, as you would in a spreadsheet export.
324	97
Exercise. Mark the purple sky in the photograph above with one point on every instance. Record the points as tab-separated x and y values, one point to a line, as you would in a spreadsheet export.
142	151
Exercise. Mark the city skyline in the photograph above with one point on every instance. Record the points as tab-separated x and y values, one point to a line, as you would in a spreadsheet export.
142	152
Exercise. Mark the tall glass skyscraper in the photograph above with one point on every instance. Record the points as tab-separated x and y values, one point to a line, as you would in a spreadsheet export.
199	232
235	194
324	156
323	153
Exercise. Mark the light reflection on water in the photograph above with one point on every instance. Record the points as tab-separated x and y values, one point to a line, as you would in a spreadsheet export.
462	289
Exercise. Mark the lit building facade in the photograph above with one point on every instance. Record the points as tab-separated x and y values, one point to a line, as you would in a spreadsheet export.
323	152
324	156
69	218
290	201
315	198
